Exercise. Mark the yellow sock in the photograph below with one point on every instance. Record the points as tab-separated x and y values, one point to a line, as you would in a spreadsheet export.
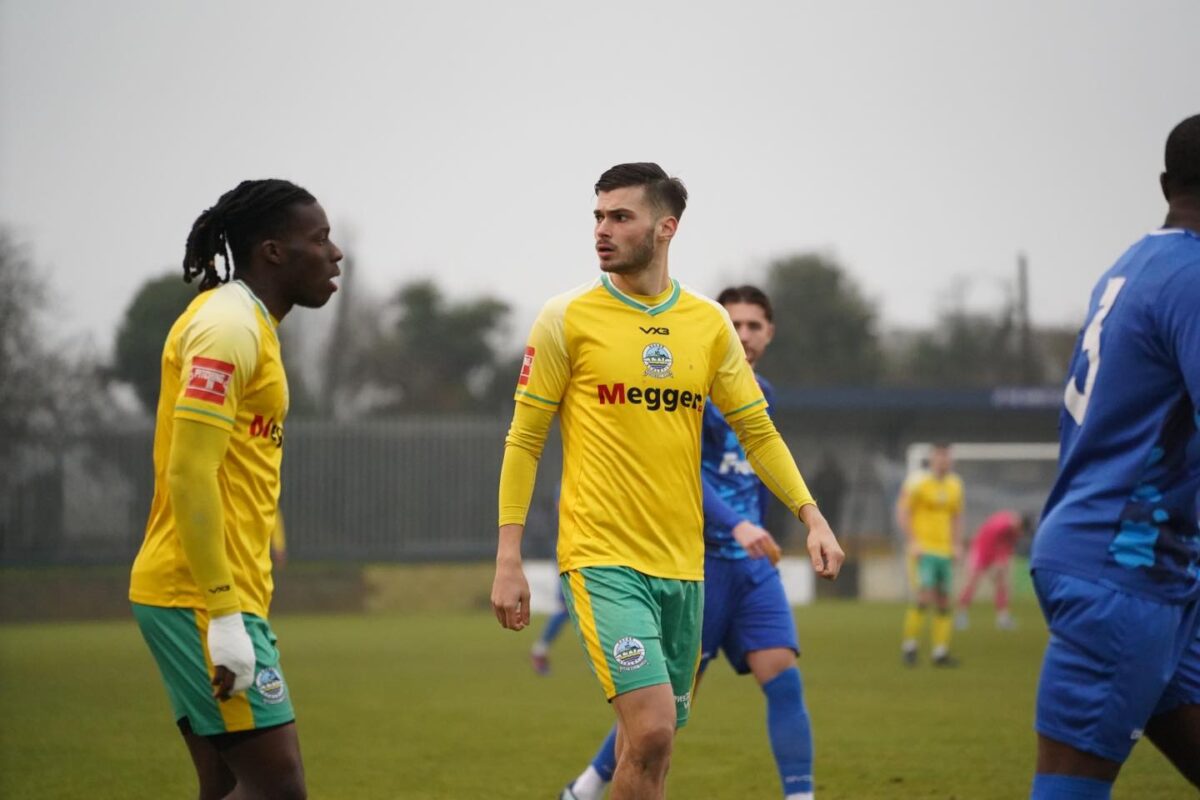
943	624
914	623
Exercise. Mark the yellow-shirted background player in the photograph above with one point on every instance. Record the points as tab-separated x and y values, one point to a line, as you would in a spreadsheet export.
201	583
929	513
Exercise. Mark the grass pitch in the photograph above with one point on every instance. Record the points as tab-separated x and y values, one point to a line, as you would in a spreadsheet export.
444	705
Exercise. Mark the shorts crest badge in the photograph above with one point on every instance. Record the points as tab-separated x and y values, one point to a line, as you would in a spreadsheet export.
270	685
629	653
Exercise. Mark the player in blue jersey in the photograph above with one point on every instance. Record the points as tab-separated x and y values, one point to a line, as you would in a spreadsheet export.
746	613
1115	560
539	653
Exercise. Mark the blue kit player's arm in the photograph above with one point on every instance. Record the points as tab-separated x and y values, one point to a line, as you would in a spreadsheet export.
723	514
764	494
717	512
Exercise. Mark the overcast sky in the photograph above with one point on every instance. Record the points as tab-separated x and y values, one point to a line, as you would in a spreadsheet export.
919	142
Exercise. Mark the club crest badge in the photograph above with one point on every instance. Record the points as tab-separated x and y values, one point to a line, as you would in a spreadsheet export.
658	360
629	653
270	685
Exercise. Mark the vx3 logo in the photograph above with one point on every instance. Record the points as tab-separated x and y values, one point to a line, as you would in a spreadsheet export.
655	331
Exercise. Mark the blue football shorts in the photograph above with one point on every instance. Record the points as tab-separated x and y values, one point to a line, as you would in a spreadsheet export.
1113	662
745	609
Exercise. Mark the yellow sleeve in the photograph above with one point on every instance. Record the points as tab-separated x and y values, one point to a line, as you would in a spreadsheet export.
522	449
546	368
956	505
734	389
910	490
218	356
197	450
771	459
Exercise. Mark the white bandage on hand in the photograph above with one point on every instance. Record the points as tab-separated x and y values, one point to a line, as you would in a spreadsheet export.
229	646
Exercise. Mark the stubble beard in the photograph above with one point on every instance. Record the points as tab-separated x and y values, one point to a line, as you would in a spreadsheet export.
638	260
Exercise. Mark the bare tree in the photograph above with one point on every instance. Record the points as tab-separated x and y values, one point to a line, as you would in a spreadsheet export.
23	379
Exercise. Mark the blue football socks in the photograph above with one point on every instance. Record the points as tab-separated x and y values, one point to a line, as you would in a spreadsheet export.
605	761
553	626
790	731
1069	787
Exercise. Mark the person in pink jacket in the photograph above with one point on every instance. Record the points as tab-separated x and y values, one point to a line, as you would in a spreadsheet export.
992	551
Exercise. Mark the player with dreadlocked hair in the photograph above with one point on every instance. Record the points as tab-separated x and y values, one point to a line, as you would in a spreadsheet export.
251	208
201	584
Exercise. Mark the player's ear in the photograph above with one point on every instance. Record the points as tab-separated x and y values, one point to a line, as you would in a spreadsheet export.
271	251
1165	183
770	332
667	227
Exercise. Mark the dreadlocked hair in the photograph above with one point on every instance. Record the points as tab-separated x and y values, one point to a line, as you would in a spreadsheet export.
242	217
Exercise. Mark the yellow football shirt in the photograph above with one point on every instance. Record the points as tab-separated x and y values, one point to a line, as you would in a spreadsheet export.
221	366
629	377
932	503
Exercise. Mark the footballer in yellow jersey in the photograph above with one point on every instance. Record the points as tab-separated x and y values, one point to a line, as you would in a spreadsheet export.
630	378
929	512
221	367
628	362
201	583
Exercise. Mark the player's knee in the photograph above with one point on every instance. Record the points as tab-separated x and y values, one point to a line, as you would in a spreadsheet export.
290	788
281	785
650	747
216	788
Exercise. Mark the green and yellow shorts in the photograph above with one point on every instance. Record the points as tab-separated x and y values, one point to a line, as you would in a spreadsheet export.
638	630
178	639
935	572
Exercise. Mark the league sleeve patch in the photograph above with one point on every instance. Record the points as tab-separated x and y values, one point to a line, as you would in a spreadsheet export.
526	367
209	380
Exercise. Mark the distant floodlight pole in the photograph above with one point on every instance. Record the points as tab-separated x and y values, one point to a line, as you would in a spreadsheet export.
1029	371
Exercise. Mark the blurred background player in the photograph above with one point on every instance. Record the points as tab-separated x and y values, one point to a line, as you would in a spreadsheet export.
929	512
539	653
746	611
279	553
629	361
1116	559
992	551
201	583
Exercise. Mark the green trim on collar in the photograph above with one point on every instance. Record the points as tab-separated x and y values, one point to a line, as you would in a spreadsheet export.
653	311
262	308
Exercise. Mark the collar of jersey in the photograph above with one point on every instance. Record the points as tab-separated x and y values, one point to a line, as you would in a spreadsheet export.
653	311
262	309
1174	232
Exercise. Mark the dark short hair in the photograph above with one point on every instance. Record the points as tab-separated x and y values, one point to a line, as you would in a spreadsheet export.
747	294
1182	156
662	190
